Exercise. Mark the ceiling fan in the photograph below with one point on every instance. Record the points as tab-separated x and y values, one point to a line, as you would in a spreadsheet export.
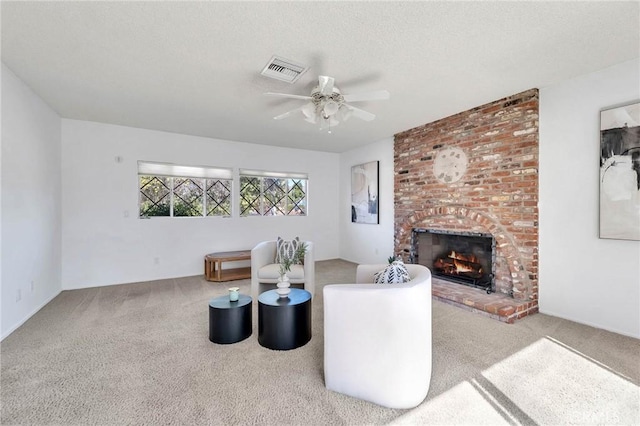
328	105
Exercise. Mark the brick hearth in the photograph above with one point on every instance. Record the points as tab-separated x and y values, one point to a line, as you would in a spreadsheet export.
498	194
496	306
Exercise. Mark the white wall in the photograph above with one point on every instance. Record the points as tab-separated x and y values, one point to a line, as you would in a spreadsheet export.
367	243
2	335
100	246
30	202
583	278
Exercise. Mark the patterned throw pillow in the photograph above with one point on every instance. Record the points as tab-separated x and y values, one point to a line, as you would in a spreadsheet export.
395	273
286	249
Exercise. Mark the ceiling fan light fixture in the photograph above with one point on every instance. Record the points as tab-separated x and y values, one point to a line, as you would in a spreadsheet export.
330	107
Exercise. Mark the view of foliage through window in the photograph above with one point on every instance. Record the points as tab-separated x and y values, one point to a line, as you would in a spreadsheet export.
218	197
173	190
250	196
182	196
264	196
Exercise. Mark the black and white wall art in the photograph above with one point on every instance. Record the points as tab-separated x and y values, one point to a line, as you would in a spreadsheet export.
620	172
364	193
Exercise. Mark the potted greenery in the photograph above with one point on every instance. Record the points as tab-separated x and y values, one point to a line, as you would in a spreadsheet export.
297	258
285	266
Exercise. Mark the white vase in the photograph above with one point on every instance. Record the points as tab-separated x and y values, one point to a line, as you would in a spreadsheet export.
283	286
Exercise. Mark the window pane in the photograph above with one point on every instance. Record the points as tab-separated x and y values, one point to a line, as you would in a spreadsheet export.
188	197
154	196
297	197
275	197
250	196
218	197
272	196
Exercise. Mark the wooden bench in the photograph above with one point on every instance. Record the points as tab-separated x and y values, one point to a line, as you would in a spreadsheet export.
213	266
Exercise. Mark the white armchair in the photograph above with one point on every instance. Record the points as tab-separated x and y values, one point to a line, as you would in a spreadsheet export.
264	270
377	338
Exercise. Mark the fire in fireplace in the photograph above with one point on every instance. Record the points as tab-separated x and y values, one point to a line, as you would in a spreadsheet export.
459	264
462	257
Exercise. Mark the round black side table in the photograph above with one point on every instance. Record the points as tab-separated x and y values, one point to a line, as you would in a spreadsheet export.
229	322
284	322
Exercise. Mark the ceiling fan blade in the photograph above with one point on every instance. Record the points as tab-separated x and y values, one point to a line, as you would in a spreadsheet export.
309	110
288	113
325	84
345	112
287	95
360	113
368	96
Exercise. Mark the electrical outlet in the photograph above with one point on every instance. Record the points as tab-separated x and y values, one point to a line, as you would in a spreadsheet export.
18	295
156	260
376	251
32	286
126	213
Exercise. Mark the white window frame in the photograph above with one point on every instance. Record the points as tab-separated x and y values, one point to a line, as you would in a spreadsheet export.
262	174
172	171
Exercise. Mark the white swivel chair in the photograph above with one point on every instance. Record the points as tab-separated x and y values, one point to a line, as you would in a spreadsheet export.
377	338
264	270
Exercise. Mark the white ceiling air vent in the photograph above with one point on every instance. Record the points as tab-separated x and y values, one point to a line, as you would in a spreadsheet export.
283	69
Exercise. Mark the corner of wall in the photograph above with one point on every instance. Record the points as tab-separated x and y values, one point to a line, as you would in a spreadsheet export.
367	243
30	212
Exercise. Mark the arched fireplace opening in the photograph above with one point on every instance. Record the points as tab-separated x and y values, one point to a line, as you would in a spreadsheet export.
462	257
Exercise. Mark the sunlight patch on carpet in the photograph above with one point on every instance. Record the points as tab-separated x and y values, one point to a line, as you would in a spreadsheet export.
461	405
554	384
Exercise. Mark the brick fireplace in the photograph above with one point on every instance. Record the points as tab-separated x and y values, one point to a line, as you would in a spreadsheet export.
476	172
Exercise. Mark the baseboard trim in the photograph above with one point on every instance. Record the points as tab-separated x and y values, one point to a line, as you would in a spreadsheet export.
590	324
25	319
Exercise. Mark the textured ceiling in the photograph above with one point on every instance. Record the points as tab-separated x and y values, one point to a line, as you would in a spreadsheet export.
194	67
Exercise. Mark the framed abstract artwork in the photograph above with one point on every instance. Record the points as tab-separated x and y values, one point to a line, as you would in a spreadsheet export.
620	172
364	193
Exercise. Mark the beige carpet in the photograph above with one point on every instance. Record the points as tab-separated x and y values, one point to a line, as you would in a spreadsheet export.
140	354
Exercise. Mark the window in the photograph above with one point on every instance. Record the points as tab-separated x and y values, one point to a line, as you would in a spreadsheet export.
183	191
272	193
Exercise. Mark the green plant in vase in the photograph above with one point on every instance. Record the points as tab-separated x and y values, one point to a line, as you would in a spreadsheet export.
297	258
285	266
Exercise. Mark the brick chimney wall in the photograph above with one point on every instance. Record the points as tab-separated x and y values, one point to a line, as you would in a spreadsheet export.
498	194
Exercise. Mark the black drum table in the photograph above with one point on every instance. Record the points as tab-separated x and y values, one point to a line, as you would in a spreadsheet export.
284	322
229	322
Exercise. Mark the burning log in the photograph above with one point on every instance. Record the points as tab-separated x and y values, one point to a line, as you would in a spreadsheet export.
466	257
464	266
459	264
